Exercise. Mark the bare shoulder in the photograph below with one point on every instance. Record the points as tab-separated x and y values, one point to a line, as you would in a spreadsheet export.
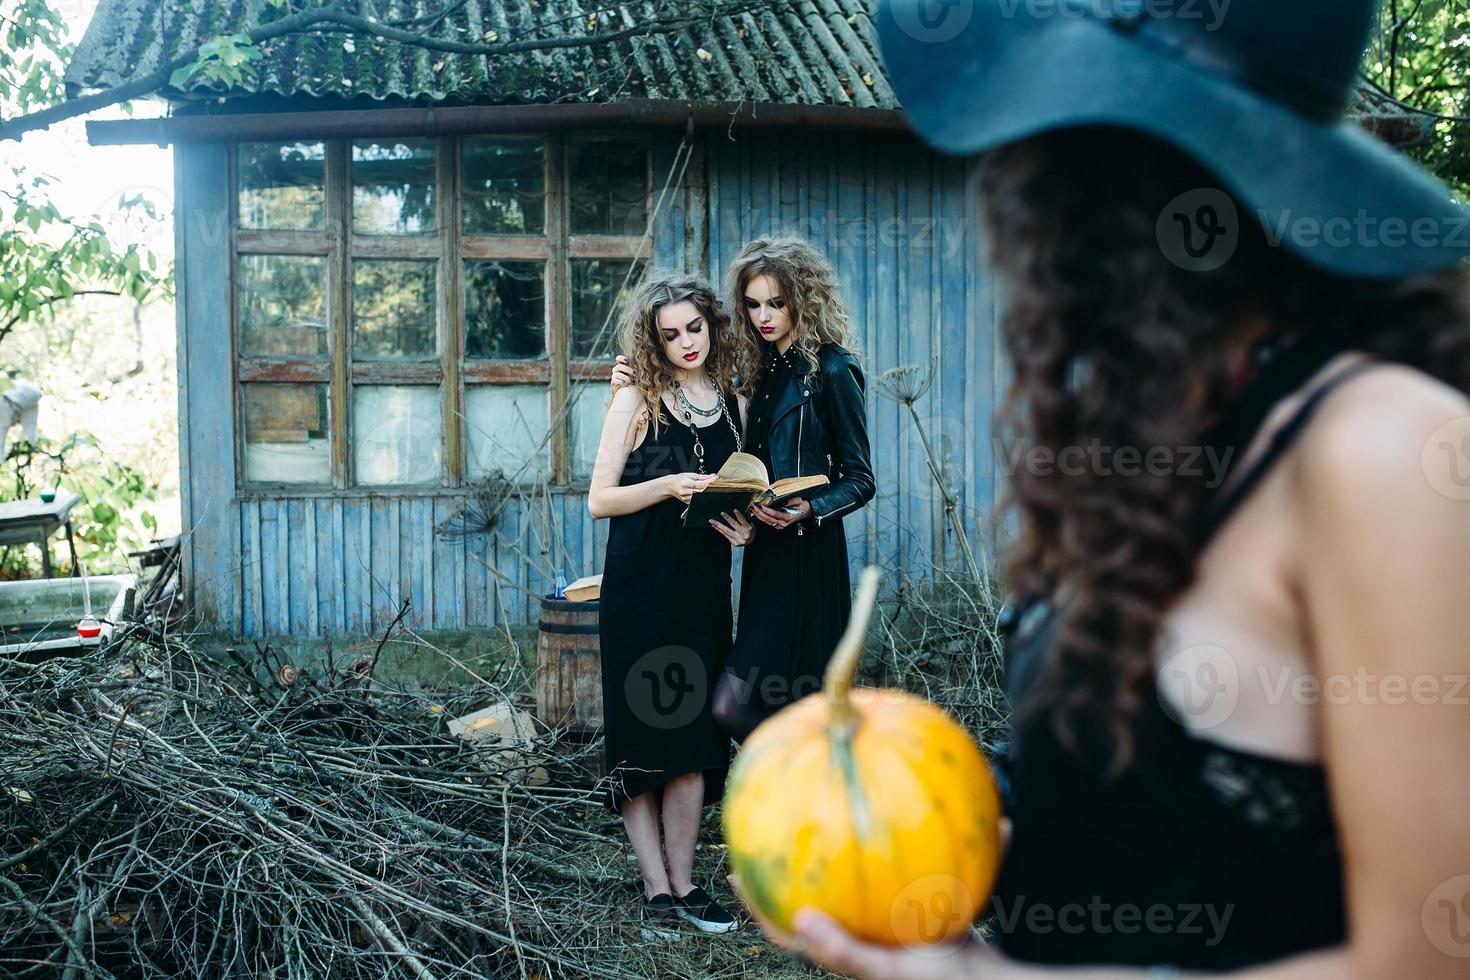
1391	431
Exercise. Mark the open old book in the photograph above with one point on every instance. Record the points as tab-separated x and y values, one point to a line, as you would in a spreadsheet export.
741	484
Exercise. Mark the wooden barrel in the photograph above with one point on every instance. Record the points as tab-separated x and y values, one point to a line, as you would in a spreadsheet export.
569	665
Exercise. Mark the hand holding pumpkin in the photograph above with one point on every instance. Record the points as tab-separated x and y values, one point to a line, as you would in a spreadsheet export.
874	807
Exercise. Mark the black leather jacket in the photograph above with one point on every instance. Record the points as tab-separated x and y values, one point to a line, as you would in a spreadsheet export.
820	425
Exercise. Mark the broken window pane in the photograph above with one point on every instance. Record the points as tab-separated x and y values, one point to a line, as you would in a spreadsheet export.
286	433
504	309
396	434
609	187
280	305
505	426
597	287
281	184
393	304
504	186
393	186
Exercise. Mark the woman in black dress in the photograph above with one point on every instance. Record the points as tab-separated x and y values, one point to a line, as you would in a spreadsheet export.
665	605
807	416
1219	762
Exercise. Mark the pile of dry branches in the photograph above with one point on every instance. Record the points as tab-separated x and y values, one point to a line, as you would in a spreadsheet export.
165	814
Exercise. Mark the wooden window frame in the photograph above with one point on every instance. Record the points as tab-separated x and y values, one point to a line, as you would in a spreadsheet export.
450	372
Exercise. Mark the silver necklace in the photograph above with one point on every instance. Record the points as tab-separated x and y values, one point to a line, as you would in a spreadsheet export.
689	410
689	406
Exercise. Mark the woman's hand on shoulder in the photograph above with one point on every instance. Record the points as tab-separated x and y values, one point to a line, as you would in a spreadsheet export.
622	374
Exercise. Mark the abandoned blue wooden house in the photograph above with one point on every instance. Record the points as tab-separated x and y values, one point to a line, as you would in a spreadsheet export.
396	267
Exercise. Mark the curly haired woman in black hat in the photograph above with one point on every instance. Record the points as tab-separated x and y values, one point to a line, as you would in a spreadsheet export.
1237	663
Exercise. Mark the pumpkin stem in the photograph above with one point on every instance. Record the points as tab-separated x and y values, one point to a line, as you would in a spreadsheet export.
843	665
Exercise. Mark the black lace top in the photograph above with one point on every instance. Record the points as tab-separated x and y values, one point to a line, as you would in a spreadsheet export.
1199	855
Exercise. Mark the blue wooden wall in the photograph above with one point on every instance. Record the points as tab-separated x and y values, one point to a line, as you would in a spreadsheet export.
901	225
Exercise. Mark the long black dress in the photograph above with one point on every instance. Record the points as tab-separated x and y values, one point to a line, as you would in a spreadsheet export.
795	592
665	624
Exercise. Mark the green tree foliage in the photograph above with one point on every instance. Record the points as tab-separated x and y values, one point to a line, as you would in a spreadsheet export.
1420	56
47	259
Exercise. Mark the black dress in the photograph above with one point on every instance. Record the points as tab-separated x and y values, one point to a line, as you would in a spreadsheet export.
665	624
1234	853
795	592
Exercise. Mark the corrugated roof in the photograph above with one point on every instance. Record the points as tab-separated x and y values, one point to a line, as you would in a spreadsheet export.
805	52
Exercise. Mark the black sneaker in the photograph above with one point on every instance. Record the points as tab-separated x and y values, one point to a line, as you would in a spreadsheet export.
707	914
660	917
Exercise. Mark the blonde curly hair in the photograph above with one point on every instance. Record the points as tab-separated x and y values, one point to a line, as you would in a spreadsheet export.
813	300
642	342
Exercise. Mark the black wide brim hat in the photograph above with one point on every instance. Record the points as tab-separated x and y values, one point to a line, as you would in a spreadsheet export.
1254	90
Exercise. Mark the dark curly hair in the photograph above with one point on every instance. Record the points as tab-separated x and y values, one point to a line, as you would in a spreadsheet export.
1114	345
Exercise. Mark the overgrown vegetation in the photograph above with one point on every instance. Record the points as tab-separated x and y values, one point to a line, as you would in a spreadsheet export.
167	813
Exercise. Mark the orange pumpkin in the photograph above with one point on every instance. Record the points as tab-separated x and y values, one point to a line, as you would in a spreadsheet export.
874	806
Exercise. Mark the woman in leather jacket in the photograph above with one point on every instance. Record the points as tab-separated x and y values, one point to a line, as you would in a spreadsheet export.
807	416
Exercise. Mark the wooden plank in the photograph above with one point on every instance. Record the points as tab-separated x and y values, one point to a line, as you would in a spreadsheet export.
268	570
203	261
331	573
280	562
387	591
450	321
507	372
695	250
613	246
558	301
667	248
252	616
296	371
277	242
301	553
447	553
513	247
394	246
360	552
848	199
397	372
884	317
339	307
477	609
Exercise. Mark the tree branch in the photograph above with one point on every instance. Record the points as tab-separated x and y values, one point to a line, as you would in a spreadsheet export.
10	324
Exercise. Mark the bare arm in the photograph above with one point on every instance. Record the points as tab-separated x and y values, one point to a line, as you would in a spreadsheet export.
1385	576
620	436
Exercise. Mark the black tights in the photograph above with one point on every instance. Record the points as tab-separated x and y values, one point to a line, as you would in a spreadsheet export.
737	708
